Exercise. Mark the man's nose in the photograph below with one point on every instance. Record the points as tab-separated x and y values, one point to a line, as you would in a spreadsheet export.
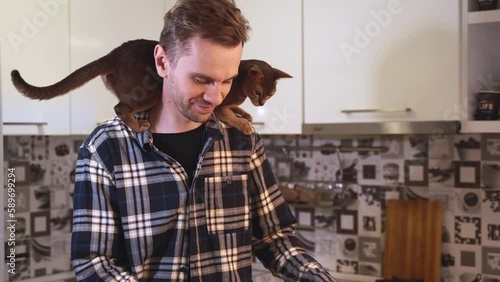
214	94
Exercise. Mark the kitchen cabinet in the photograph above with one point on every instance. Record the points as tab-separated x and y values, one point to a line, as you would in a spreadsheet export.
97	27
381	61
60	38
34	40
481	38
276	37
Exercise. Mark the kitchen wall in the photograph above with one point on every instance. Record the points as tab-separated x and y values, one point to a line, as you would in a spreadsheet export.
463	171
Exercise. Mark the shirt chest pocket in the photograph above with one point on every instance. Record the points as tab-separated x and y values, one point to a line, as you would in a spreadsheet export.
226	203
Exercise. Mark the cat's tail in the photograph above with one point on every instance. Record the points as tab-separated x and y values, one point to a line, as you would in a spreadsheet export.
74	80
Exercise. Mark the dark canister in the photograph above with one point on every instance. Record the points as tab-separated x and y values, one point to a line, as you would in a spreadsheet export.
487	105
486	4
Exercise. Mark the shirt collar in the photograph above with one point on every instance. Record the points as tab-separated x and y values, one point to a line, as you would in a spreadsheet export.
214	127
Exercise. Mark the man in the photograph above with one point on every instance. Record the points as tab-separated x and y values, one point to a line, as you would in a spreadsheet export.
190	199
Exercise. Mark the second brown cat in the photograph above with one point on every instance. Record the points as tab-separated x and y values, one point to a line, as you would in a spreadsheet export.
129	72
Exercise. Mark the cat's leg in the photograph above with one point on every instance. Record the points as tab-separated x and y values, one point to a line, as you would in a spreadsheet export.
130	102
126	113
242	113
227	115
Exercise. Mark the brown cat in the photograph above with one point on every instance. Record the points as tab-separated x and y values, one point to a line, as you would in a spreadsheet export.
129	71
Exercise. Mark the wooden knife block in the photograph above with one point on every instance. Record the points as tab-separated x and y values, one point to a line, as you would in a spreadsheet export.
413	240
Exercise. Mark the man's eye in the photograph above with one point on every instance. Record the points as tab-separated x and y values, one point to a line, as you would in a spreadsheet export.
200	80
229	81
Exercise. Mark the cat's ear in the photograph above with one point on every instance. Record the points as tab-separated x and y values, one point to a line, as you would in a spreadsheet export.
280	74
255	71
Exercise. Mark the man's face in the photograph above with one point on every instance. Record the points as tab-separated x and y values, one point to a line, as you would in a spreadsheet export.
201	79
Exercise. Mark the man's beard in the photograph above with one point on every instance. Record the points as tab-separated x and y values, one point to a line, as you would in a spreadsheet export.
186	110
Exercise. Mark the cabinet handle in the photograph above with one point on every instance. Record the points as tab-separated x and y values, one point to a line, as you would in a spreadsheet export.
376	111
26	123
258	123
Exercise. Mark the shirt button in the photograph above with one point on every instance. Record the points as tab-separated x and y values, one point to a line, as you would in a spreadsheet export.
183	269
199	200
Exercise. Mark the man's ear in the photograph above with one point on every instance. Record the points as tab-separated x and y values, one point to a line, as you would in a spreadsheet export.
161	61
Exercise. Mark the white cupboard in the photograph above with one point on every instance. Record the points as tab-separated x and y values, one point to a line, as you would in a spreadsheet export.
351	61
276	37
381	61
34	40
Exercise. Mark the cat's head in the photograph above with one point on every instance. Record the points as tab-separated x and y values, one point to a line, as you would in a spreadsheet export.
260	81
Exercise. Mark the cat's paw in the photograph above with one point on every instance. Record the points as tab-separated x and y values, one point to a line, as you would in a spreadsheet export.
247	129
144	125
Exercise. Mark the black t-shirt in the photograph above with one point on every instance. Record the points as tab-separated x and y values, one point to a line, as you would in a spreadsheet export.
184	147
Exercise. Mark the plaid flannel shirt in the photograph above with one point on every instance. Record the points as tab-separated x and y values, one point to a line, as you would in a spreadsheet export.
136	219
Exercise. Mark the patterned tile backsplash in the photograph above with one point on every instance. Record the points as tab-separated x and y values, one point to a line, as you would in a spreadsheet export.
44	171
345	231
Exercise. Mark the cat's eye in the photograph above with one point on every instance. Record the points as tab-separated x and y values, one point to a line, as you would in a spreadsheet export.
258	93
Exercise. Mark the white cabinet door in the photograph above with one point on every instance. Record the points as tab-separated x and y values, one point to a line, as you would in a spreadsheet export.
276	37
393	60
97	27
34	40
